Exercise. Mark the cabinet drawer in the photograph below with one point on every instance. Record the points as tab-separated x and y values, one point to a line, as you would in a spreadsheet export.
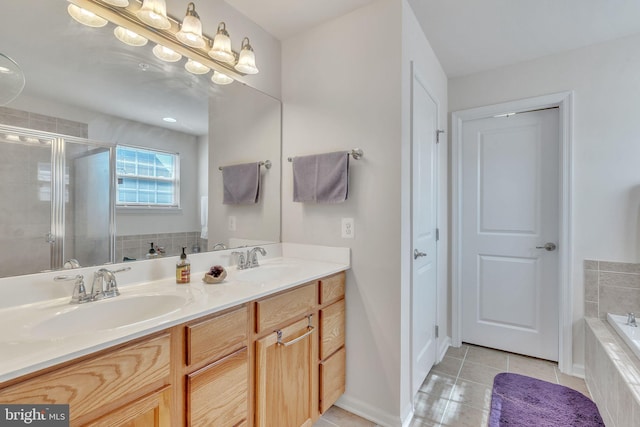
332	287
290	305
218	393
332	379
150	411
217	337
332	321
88	385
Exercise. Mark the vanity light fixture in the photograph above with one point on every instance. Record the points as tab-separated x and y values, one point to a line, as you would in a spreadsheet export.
247	60
191	29
154	14
221	49
86	17
139	21
221	78
127	36
195	67
166	54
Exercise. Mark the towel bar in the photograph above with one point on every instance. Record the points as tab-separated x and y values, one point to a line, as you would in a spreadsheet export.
266	164
356	153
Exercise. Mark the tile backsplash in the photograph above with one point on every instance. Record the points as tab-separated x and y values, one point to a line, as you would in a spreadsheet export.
137	246
611	287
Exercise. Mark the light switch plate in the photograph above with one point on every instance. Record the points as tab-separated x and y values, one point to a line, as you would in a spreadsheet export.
348	230
232	223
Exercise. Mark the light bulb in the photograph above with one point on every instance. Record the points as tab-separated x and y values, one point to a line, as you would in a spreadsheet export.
85	17
221	78
221	49
247	60
166	54
127	36
154	13
191	29
195	67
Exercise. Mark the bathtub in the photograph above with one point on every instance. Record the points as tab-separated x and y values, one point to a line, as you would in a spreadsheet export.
629	334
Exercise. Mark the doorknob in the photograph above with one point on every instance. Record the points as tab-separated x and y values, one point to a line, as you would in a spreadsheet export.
417	254
548	247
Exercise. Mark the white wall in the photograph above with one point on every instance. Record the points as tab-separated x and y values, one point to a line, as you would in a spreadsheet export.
345	84
606	152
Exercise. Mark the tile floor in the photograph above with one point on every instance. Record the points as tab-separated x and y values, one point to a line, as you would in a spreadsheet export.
457	392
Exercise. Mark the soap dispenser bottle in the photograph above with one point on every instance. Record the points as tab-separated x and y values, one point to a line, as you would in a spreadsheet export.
183	268
152	253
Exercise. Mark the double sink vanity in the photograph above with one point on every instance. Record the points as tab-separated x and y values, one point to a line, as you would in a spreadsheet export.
266	347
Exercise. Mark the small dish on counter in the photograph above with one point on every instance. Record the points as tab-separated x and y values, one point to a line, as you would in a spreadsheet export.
216	274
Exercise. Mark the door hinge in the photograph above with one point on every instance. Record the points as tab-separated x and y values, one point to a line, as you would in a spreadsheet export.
437	234
438	132
437	331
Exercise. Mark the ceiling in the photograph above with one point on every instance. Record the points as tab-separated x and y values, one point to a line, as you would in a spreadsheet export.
473	35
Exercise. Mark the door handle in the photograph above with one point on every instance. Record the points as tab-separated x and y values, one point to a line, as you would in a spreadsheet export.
417	254
548	247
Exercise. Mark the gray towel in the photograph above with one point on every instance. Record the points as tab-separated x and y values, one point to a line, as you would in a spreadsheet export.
322	178
241	184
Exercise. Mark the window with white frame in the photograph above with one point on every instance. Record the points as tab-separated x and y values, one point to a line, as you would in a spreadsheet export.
147	178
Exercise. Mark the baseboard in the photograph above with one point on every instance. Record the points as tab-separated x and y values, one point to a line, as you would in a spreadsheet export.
577	370
408	415
373	414
443	347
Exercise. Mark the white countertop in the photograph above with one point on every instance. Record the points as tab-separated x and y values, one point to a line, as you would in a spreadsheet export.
27	343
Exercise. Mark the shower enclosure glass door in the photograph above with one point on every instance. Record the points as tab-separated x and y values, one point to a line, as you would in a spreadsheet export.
57	201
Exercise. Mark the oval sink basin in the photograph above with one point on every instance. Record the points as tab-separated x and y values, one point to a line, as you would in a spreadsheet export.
107	314
266	273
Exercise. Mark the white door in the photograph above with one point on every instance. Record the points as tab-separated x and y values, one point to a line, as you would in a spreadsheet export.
424	204
510	211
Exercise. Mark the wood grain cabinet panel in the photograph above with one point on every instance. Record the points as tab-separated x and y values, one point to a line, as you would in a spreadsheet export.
217	337
287	306
332	325
218	393
332	379
284	378
149	411
332	287
90	384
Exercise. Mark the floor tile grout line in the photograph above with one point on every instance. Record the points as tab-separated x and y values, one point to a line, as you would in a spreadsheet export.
446	407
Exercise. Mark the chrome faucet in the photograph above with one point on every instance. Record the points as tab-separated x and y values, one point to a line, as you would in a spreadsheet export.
631	320
79	295
250	260
252	256
104	285
218	246
242	260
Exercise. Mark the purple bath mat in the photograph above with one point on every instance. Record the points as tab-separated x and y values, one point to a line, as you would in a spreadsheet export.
518	400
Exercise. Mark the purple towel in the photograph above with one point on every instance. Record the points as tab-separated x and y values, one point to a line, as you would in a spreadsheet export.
241	184
321	178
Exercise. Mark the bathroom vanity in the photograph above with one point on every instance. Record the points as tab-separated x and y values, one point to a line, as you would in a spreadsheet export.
276	357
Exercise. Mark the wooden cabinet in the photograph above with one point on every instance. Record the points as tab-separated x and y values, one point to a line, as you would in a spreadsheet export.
98	385
217	394
277	361
285	367
217	391
149	411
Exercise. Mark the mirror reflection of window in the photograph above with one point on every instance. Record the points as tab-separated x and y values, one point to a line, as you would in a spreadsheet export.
147	177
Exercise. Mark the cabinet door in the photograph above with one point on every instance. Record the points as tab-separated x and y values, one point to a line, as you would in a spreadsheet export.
150	411
284	377
218	393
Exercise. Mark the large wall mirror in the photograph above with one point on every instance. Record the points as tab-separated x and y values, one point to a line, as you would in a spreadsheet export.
106	100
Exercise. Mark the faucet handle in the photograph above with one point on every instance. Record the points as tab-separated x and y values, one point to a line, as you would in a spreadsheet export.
242	261
79	290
